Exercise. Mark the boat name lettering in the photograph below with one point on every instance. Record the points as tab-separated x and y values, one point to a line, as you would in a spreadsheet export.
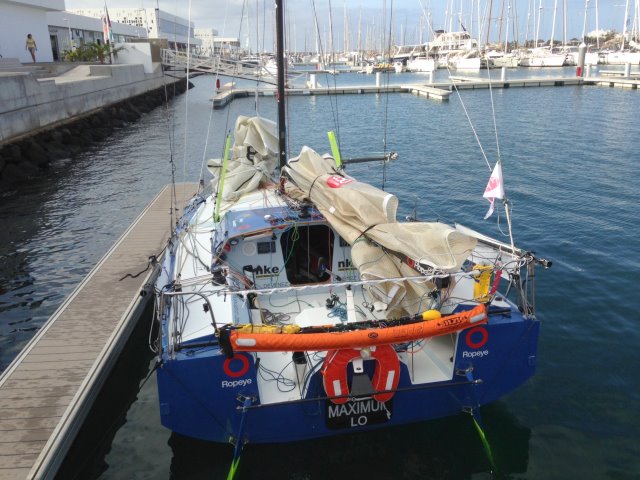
358	413
266	271
477	353
355	408
236	383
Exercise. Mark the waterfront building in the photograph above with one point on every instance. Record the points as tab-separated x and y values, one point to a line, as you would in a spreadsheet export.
212	44
178	31
206	36
20	17
227	46
68	31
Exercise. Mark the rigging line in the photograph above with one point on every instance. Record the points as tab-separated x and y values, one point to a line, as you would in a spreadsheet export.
229	108
285	67
258	72
264	25
493	111
186	100
386	105
335	81
171	128
495	128
321	54
204	151
464	108
255	98
206	142
427	17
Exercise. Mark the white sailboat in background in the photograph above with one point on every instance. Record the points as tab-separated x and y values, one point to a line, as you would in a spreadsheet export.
501	57
544	56
422	64
629	52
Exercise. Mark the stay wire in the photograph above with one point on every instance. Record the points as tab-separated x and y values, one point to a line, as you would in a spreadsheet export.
493	112
171	130
228	117
216	77
321	54
387	95
335	81
464	108
186	100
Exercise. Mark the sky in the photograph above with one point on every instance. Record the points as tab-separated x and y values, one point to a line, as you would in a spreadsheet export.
249	19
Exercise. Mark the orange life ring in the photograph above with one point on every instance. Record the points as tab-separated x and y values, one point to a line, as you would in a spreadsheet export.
386	376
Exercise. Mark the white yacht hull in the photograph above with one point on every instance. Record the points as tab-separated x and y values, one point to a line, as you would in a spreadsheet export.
543	61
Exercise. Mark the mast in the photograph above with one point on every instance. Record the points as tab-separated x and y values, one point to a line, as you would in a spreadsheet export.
538	23
280	59
564	22
597	28
624	26
584	23
553	25
506	36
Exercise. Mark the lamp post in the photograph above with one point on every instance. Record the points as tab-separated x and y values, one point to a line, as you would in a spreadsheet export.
70	36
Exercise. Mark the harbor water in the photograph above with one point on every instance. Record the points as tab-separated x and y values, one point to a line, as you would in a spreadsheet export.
570	162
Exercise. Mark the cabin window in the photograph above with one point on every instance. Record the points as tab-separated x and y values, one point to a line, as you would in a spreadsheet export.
307	252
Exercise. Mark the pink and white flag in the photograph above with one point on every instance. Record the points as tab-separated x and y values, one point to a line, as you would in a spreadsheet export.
107	33
495	188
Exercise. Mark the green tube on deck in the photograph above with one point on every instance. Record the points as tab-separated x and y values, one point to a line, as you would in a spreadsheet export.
223	173
334	148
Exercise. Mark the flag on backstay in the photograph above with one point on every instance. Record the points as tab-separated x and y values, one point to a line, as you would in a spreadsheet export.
495	188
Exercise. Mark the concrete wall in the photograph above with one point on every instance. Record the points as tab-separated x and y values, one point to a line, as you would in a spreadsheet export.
17	19
135	53
28	104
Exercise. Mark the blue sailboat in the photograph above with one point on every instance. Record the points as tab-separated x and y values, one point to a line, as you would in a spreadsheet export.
293	304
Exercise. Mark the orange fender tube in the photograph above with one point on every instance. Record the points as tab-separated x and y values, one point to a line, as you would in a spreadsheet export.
300	342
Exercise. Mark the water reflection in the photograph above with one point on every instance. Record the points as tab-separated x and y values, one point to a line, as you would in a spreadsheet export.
442	449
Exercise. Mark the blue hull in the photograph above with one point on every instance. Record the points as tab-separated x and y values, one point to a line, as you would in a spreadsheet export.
201	396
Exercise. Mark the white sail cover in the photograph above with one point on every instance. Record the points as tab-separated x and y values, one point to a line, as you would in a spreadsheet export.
253	157
350	206
381	247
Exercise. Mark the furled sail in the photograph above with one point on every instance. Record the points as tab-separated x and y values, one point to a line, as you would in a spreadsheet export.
253	158
365	217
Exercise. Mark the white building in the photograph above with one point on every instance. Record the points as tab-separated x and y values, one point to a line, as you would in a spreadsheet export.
212	44
159	24
20	17
227	46
68	30
206	36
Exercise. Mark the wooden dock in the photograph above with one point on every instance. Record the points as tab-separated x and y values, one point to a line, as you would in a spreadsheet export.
436	90
223	98
47	391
